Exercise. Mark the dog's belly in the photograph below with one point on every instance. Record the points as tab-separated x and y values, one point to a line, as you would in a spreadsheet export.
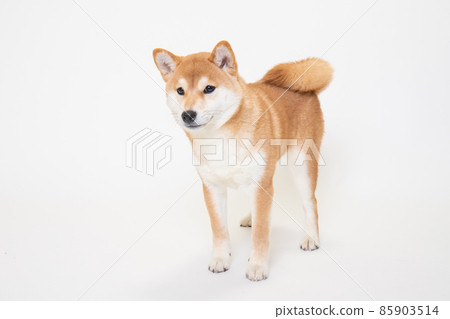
233	176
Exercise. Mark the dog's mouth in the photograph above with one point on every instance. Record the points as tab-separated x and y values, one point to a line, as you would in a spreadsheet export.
195	126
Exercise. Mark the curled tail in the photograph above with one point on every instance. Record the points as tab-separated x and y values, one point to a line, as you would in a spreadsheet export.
309	75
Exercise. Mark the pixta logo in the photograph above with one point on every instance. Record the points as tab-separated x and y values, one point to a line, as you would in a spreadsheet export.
148	151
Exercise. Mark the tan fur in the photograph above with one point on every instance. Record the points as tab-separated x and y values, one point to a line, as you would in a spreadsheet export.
309	75
295	115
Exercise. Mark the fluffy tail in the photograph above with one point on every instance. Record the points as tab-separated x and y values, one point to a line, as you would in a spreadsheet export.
309	75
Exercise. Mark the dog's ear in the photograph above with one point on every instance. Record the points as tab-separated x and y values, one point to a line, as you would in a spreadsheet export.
166	62
223	57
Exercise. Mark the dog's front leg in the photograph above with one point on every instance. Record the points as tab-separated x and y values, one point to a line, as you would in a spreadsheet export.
216	202
258	266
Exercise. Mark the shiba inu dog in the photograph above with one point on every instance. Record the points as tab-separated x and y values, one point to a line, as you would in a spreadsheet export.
257	124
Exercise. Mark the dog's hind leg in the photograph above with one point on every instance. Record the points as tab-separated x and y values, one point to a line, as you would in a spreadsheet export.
305	177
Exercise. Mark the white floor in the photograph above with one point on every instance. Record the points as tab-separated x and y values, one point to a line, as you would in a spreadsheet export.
70	208
370	249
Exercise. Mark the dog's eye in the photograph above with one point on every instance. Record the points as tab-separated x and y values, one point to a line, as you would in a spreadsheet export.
180	91
209	89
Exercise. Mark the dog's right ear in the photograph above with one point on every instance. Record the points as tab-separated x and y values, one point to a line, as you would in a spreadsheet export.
166	62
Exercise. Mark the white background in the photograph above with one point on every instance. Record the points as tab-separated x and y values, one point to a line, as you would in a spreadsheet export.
70	98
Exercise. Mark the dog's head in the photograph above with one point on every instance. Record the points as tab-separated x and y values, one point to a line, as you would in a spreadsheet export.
203	89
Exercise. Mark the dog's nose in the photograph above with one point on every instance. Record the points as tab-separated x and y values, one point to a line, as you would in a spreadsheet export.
188	116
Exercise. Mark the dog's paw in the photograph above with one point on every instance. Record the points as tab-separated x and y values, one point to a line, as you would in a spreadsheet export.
219	264
257	272
309	244
246	221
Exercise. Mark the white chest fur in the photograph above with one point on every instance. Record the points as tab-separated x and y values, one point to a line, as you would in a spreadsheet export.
226	161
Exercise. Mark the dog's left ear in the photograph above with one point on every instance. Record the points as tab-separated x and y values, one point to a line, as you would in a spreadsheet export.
223	57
